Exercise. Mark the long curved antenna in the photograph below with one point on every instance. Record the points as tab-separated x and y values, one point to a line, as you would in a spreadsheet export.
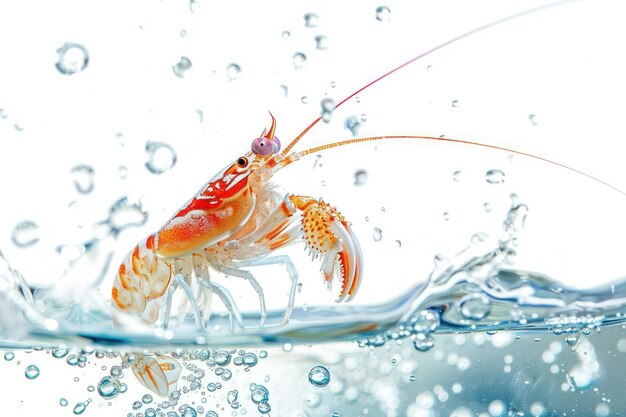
297	155
428	52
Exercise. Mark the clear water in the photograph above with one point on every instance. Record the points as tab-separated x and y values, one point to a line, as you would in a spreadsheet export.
495	284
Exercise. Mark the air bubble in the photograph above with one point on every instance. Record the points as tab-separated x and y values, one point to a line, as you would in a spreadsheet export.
264	408
360	177
9	356
161	157
233	71
475	306
25	233
181	68
299	60
109	387
377	234
311	20
259	394
456	176
426	321
423	342
81	407
83	178
124	213
383	14
63	402
250	359
455	103
494	176
287	347
532	117
31	372
72	58
319	376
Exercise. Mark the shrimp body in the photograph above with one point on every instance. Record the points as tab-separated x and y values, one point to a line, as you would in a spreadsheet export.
236	220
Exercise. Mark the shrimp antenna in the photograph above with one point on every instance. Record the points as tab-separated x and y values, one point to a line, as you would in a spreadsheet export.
430	51
294	156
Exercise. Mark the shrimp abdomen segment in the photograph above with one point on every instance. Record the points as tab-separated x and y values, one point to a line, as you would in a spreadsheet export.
142	277
328	234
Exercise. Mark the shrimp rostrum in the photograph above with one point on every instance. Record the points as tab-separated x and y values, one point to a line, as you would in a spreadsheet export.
237	220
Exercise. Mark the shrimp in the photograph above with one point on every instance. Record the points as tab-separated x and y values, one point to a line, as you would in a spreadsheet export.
238	220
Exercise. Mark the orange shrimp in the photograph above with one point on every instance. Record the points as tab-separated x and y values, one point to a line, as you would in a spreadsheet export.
238	220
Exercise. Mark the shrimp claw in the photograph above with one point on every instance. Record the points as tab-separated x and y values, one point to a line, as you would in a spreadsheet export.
328	234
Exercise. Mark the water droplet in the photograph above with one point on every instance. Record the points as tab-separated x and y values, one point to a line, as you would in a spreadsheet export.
299	60
146	399
360	177
264	408
9	356
353	124
287	347
161	157
183	65
72	58
311	20
377	234
328	106
319	376
455	103
83	178
137	405
109	387
63	402
494	176
475	306
233	71
80	408
31	372
321	42
423	342
123	214
25	233
188	412
383	14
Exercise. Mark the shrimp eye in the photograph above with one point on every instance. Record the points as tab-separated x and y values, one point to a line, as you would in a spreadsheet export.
262	146
242	162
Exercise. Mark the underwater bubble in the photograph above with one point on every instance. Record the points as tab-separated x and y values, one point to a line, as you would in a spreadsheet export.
287	347
238	361
226	375
108	387
286	34
353	124
124	213
475	306
146	399
360	177
299	60
250	359
259	394
319	376
83	178
383	13
71	58
233	71
25	233
264	408
116	371
188	412
232	396
423	342
9	356
532	117
311	20
456	176
304	100
183	65
446	216
31	372
212	413
150	412
455	103
137	405
426	321
132	359
321	42
161	157
222	358
63	402
494	176
377	234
